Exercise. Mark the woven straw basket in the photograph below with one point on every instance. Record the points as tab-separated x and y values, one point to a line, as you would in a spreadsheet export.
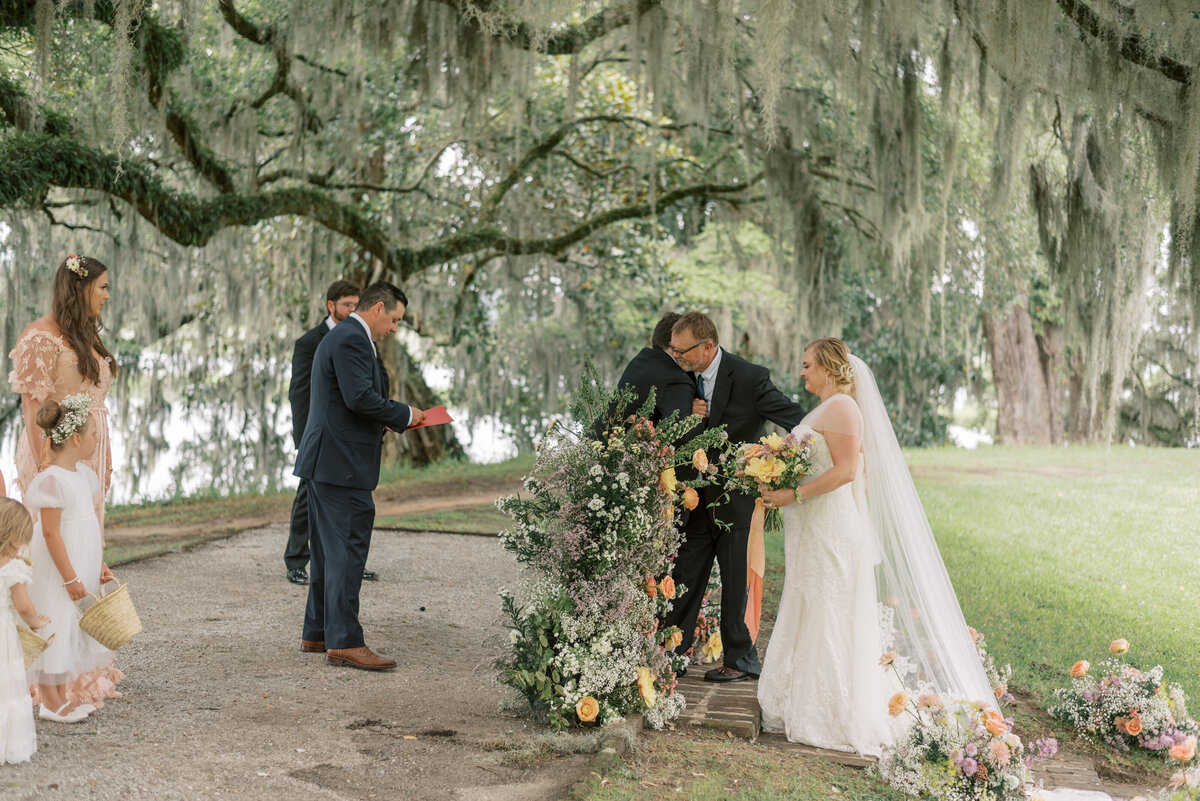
32	644
111	621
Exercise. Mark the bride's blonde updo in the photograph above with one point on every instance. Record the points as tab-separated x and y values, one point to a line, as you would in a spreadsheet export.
832	354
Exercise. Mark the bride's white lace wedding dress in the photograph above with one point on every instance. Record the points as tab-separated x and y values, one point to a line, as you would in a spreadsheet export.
821	681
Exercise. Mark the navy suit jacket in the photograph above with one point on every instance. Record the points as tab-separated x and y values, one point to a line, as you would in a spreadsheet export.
674	390
743	399
348	410
300	386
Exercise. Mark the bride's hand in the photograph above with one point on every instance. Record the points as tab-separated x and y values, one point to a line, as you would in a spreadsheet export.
777	499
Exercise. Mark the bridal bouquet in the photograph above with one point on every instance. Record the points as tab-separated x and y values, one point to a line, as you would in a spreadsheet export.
1125	707
775	461
596	530
959	751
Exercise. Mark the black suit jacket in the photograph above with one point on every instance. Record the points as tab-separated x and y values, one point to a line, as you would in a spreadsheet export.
674	389
348	411
743	399
301	383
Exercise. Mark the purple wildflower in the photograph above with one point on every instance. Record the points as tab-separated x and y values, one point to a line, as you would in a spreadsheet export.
968	766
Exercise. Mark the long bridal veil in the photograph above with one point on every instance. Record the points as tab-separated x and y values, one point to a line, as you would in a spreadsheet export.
920	614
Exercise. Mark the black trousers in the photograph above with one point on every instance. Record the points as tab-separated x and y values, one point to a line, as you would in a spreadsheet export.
342	519
703	542
296	553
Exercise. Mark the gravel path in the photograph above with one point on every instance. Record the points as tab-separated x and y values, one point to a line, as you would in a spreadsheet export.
220	702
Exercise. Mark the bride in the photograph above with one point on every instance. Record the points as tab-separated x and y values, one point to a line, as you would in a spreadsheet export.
855	533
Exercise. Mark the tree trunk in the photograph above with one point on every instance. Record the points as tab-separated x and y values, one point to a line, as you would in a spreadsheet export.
1024	379
425	445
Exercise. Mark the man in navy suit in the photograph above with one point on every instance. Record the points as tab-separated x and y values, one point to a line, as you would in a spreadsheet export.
740	395
339	456
653	368
340	300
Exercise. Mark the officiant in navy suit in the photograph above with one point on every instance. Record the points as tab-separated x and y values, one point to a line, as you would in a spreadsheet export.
339	457
741	396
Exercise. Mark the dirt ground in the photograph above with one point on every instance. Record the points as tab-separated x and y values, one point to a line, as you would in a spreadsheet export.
219	700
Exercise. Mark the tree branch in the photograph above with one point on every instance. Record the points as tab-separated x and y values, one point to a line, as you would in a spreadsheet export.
1132	47
484	17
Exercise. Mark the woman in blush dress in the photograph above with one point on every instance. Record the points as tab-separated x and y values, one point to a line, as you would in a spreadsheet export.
61	354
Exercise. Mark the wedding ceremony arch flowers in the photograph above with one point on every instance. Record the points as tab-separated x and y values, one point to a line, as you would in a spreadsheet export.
596	530
1124	707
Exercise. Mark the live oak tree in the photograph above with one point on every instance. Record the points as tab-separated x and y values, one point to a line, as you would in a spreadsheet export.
545	175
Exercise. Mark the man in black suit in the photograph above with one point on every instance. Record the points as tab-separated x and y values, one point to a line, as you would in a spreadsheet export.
339	456
739	395
340	300
653	368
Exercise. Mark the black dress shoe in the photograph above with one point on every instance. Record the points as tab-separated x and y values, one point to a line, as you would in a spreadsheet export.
370	575
727	675
297	575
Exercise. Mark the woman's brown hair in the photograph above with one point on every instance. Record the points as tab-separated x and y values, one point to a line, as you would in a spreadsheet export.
70	312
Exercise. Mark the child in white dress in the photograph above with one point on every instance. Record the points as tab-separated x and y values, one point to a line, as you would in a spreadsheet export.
75	674
17	738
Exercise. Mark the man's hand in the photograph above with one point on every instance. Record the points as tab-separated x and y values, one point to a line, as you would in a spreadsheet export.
700	407
418	417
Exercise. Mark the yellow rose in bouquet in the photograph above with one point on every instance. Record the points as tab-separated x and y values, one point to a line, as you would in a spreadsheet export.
645	683
765	469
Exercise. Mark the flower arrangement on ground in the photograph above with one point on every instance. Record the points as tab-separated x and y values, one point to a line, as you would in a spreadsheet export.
1124	707
707	646
1184	786
959	751
998	677
597	534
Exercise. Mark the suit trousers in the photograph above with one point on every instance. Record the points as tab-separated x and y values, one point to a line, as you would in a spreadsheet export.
295	555
342	519
704	541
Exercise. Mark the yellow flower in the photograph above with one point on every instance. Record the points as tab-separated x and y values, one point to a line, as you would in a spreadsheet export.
587	709
773	441
645	683
668	481
712	648
765	469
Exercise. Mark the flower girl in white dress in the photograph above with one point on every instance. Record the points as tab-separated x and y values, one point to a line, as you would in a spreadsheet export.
75	674
17	738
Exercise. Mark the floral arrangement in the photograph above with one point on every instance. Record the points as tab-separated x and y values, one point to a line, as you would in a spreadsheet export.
74	415
708	623
998	678
959	751
75	264
774	461
1125	707
596	531
1184	786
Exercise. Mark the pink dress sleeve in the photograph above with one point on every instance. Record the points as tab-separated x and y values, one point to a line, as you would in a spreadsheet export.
33	360
45	492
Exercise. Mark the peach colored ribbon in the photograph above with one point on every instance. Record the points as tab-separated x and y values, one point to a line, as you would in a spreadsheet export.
756	566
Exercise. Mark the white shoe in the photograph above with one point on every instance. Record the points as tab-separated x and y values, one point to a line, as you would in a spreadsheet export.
74	716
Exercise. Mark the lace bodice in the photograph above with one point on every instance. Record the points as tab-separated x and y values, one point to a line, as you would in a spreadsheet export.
45	366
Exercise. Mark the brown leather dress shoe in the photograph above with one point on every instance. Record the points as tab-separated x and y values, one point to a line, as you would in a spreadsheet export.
310	647
361	657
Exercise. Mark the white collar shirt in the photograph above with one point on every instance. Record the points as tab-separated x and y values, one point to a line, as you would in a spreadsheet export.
710	376
329	323
366	328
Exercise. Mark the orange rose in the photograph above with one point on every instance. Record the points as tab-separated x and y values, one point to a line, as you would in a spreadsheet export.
691	499
651	587
1184	751
1080	668
700	460
1119	646
1134	727
667	585
675	640
587	709
897	703
994	722
752	451
1000	690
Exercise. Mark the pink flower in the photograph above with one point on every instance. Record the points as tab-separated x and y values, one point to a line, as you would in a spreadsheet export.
1001	752
1184	751
1120	646
927	701
887	659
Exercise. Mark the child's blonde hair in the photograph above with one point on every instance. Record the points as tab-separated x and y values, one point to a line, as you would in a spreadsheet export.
16	526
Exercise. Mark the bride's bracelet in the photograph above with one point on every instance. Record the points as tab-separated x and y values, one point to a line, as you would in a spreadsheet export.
72	581
799	497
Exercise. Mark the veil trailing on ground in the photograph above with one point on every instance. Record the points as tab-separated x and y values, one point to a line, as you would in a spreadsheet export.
920	615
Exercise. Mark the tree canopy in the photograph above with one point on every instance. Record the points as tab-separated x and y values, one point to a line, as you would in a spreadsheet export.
980	196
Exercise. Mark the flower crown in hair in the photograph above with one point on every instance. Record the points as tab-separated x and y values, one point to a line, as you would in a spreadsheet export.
75	264
74	416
